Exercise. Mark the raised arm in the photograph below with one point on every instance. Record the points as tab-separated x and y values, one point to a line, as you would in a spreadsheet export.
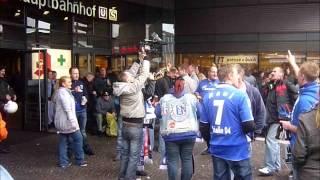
292	61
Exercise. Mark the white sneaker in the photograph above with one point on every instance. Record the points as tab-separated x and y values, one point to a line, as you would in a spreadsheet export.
266	171
163	167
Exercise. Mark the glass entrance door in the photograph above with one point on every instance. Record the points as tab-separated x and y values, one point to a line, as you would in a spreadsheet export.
85	63
36	95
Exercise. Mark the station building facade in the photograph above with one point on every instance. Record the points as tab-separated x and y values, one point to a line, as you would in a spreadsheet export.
41	35
255	33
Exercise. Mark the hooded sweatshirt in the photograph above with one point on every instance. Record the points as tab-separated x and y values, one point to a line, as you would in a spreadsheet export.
131	97
308	97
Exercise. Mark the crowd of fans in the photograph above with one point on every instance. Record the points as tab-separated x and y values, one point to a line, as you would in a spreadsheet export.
227	106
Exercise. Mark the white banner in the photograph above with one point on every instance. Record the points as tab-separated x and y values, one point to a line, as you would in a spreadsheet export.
58	60
241	59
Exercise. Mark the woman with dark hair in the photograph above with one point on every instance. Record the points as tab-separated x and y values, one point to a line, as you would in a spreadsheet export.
306	150
67	125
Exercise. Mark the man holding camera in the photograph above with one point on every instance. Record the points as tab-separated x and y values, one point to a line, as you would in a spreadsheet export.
132	111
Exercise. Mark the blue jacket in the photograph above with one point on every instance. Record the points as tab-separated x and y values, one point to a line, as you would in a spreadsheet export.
78	95
308	97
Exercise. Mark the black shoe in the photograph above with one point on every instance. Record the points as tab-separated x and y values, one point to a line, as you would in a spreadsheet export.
83	164
89	152
4	151
141	173
100	134
66	166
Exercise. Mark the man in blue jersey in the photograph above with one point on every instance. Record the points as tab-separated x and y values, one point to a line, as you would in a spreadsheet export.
205	86
307	75
209	84
228	114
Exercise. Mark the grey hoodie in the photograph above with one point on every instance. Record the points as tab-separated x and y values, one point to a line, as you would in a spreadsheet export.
131	97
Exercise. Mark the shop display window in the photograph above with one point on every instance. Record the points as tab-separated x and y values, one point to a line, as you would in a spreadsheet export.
269	60
314	57
203	61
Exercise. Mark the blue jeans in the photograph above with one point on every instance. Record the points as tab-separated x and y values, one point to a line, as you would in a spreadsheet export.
272	149
151	134
222	168
82	120
176	150
100	118
132	143
119	135
162	150
75	140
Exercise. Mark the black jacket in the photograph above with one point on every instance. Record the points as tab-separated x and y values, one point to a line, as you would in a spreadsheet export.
163	85
4	90
280	98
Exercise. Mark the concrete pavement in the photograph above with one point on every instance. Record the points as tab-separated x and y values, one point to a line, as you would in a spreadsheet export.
34	157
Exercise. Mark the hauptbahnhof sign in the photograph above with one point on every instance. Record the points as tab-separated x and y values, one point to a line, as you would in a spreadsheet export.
77	8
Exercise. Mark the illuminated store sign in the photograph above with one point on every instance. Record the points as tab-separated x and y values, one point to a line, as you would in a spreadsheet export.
241	59
58	60
77	8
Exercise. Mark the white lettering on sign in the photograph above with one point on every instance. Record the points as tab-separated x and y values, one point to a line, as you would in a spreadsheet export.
103	13
76	8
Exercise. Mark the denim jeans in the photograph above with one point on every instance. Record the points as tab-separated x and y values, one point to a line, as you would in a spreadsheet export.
272	149
162	150
119	135
100	119
75	140
82	120
132	143
151	134
176	150
222	169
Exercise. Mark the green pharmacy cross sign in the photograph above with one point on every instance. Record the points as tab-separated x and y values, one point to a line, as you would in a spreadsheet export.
61	60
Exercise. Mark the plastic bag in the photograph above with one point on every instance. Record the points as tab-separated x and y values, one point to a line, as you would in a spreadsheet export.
3	129
111	129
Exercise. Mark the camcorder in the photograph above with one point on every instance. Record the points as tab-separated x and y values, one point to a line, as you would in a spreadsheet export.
152	47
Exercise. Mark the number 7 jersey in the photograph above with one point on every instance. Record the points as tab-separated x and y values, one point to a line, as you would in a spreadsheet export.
225	109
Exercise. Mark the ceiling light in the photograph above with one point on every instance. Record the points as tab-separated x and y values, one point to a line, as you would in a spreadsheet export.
65	18
46	12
